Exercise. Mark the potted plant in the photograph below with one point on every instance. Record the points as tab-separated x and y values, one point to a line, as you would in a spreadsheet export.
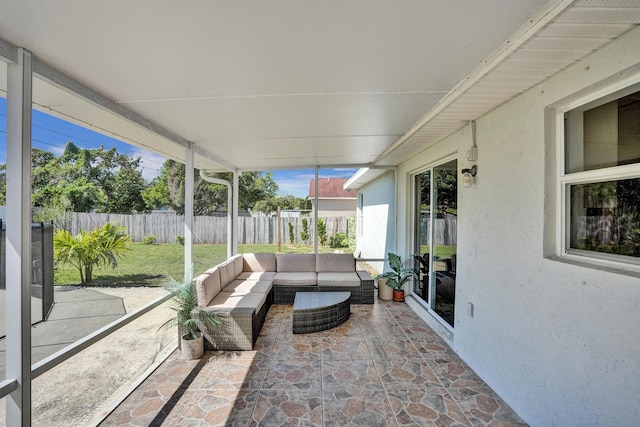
185	301
398	276
385	292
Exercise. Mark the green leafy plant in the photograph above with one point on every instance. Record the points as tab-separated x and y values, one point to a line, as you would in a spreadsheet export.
399	274
304	234
292	236
351	233
322	232
185	301
180	240
86	250
339	240
150	239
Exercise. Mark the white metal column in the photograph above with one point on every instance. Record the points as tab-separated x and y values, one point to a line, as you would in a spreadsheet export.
188	211
18	245
236	204
315	214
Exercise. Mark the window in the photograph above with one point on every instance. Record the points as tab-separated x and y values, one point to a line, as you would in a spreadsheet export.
601	178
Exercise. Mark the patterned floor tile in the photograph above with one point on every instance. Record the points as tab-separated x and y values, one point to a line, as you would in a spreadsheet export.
383	367
357	407
288	408
431	406
348	374
353	347
293	374
483	407
236	374
219	408
300	346
403	374
391	348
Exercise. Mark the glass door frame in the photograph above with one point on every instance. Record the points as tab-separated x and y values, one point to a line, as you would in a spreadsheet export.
414	241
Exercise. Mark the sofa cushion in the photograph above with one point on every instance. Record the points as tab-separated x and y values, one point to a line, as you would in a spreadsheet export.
259	262
339	263
207	287
295	279
291	263
226	301
236	260
226	273
338	279
242	287
256	275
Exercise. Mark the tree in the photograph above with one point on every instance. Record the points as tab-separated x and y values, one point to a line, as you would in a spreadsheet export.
208	197
88	180
86	250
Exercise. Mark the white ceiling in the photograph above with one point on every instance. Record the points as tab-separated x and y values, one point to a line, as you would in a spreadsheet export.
290	83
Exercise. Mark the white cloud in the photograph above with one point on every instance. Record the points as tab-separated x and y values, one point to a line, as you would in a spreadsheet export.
150	162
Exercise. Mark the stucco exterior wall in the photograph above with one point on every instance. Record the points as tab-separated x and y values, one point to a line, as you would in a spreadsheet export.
559	342
378	216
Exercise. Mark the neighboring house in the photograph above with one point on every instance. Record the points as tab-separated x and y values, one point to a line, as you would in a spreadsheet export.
547	297
333	199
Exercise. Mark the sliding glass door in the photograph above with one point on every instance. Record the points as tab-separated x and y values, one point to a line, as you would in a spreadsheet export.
435	238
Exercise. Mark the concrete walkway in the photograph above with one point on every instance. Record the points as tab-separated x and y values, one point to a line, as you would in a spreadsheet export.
76	313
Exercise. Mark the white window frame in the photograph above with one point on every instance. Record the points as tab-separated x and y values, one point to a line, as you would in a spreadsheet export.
566	180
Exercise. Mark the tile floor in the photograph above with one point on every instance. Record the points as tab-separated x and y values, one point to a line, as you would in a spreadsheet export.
383	367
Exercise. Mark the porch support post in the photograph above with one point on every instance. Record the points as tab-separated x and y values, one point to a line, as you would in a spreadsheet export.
315	213
234	214
18	247
188	211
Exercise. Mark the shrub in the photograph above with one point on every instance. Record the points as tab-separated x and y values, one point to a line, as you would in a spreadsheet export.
351	233
292	237
322	232
304	234
180	240
339	240
150	240
103	245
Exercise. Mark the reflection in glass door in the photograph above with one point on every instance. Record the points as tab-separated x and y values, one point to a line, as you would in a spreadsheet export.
436	192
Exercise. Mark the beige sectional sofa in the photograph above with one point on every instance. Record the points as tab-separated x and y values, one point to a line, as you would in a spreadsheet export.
241	290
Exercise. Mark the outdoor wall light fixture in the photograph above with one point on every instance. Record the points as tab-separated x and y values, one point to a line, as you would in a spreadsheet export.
468	175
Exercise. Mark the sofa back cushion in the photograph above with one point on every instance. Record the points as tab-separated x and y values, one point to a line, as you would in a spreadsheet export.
237	262
337	263
230	269
259	262
294	263
207	286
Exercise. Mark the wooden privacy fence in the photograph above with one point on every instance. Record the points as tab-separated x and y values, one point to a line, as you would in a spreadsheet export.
445	230
206	229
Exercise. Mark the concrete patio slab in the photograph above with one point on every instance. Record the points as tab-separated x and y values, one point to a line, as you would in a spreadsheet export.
76	313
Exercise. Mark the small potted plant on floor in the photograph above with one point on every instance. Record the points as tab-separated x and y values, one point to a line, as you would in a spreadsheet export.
185	301
398	276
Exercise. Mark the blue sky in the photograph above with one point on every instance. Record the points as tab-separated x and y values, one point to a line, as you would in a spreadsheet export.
51	134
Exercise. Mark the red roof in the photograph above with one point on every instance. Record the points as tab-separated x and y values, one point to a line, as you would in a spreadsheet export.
331	187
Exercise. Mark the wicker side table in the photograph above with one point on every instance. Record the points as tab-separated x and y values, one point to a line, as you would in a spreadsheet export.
318	311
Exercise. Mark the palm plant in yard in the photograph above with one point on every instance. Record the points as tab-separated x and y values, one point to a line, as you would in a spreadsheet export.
86	250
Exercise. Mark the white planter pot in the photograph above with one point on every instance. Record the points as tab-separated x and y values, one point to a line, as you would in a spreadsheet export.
192	348
385	292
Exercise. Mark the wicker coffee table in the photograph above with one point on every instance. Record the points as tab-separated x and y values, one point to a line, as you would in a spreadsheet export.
318	311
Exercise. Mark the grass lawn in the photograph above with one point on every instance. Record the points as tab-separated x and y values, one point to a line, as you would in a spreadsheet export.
147	265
